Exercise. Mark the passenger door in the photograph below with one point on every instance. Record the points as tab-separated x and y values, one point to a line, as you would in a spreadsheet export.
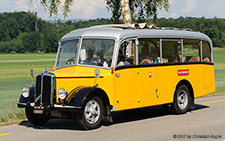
149	72
126	90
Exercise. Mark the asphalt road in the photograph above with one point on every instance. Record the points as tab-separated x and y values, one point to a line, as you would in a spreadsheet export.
206	122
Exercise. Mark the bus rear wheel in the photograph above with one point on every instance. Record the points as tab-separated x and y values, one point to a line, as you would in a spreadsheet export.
181	100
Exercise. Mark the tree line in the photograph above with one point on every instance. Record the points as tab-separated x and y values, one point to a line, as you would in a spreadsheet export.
24	32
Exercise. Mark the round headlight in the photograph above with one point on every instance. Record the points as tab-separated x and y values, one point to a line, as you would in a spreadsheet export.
25	92
62	93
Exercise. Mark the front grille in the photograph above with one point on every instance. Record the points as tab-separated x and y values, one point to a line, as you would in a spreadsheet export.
45	84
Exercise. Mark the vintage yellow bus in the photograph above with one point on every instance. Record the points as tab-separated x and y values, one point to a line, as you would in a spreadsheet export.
103	69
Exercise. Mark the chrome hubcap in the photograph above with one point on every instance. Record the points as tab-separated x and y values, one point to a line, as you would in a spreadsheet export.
182	99
92	111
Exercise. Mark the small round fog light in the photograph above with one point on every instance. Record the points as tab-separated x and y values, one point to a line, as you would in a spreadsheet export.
62	93
25	92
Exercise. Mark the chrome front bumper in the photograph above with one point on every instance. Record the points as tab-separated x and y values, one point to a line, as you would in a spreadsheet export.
52	107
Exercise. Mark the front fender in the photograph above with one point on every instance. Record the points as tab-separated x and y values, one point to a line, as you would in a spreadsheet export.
23	101
81	95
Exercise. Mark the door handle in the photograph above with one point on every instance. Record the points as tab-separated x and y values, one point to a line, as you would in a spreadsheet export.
117	74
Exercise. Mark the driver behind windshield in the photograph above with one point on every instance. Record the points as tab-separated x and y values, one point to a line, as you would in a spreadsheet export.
90	60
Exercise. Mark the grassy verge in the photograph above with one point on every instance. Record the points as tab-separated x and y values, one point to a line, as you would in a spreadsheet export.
15	74
219	59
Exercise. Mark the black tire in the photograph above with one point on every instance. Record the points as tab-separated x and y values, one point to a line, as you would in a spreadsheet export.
36	119
181	100
92	113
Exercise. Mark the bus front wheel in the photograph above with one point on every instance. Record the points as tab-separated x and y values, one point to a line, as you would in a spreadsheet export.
36	119
181	100
92	114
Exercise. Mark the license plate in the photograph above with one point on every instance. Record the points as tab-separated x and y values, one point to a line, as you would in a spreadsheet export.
38	111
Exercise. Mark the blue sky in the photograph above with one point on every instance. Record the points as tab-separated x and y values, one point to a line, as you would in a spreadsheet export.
91	9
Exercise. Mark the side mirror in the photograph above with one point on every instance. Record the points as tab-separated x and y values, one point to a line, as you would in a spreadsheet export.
97	73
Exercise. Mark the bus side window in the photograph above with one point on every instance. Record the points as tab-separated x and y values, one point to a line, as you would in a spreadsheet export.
206	53
171	51
148	51
126	55
191	50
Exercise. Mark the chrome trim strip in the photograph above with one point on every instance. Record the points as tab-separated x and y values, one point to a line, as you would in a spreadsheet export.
201	51
61	106
160	49
41	90
24	104
182	55
54	105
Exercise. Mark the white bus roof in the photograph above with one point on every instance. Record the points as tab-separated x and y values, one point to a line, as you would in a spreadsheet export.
121	32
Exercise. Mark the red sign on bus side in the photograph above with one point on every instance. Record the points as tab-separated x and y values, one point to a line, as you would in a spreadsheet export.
183	72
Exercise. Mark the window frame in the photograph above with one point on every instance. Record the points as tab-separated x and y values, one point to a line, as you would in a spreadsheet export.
58	52
171	39
161	39
95	66
116	52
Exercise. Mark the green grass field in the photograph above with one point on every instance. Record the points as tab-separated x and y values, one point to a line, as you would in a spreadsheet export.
15	74
219	59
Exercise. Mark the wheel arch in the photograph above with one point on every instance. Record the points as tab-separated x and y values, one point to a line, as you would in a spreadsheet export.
190	88
83	94
101	94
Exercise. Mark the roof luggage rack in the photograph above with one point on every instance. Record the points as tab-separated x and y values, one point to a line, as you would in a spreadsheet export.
141	26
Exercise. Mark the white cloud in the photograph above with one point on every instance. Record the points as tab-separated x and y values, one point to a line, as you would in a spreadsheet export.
21	5
173	15
190	5
81	9
87	8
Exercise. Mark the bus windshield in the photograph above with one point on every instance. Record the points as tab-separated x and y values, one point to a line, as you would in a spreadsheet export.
97	52
67	53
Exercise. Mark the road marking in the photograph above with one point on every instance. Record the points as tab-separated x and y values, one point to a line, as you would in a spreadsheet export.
213	101
5	134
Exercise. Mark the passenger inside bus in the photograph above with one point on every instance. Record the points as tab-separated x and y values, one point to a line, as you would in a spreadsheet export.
120	60
150	52
145	56
206	59
194	59
100	59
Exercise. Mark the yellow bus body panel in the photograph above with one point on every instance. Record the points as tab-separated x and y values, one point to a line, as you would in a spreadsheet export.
208	79
138	87
72	77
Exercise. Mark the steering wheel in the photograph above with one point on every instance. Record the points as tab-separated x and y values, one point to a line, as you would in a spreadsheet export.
71	61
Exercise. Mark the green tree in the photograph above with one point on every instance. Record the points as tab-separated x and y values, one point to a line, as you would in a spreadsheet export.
114	7
141	10
53	6
33	42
